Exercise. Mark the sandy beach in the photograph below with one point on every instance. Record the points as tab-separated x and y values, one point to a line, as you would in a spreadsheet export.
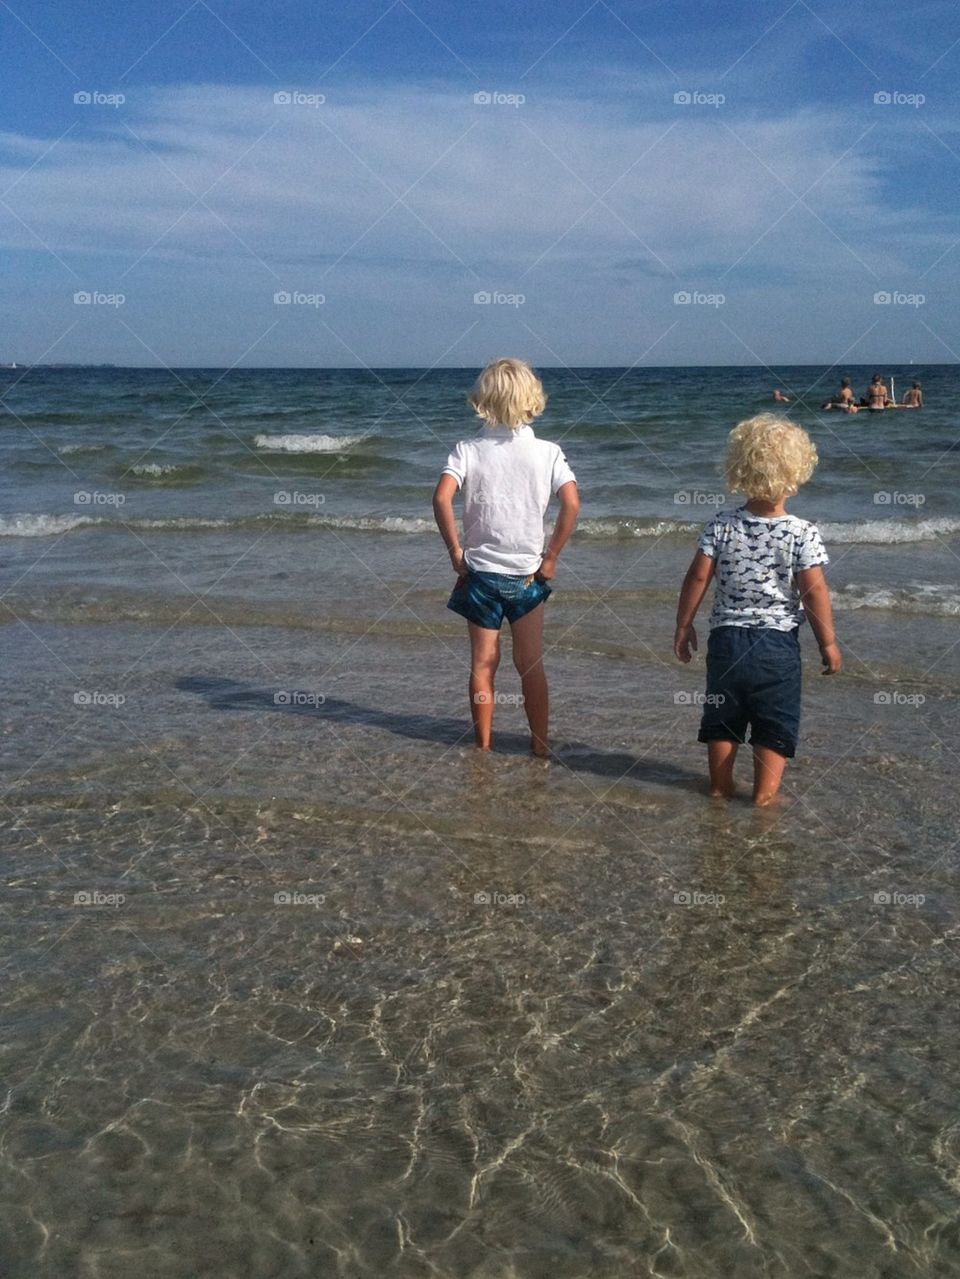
297	983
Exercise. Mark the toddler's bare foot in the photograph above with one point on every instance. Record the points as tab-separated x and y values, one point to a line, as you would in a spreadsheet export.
767	800
723	792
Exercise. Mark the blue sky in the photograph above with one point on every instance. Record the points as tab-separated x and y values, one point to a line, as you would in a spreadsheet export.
651	183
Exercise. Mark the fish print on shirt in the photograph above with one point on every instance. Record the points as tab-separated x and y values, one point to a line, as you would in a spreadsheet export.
757	561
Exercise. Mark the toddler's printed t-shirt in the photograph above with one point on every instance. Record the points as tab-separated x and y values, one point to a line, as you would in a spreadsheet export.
757	560
508	477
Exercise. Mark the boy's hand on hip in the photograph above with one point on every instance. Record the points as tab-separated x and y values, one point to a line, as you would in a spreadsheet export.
458	562
832	659
547	569
684	643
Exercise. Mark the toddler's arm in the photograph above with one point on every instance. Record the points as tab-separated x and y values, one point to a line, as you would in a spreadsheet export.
443	496
698	578
815	597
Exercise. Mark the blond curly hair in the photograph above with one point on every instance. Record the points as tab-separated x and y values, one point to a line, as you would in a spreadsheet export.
769	458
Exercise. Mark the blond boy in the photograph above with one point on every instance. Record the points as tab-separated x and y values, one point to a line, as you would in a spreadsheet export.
503	571
768	567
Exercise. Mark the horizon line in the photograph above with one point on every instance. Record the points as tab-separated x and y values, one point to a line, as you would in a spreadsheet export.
12	366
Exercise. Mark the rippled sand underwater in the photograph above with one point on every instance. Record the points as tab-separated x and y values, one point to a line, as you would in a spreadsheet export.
341	997
298	985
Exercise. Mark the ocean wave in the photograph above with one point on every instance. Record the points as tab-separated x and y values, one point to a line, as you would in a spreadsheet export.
153	468
623	528
164	472
868	532
931	598
29	525
41	525
67	449
882	532
601	529
306	443
375	523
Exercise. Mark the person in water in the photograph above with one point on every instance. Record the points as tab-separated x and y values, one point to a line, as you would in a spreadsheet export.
507	477
844	398
913	399
780	398
877	396
768	567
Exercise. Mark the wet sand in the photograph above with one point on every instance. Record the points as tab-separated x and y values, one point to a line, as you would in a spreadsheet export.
372	1004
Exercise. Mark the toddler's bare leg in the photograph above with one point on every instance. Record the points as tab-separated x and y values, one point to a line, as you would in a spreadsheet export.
484	660
528	659
722	756
768	766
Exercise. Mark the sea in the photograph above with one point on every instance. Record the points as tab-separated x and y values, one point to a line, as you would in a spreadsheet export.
296	982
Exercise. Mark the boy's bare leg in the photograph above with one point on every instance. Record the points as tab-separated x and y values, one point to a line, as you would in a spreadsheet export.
768	766
484	660
528	659
722	756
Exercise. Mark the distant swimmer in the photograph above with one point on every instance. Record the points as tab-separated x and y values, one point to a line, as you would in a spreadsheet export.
913	399
844	398
780	398
877	396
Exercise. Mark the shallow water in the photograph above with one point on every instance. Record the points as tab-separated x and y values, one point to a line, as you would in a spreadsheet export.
520	1018
504	1018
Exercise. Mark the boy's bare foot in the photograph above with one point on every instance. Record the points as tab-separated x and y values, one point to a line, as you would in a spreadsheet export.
723	792
767	800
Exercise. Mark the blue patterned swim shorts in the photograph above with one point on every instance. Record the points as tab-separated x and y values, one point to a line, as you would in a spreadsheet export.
487	598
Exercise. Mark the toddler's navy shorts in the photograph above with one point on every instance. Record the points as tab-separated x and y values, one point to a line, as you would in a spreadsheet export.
753	680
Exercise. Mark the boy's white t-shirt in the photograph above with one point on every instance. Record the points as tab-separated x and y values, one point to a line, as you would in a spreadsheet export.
507	477
757	559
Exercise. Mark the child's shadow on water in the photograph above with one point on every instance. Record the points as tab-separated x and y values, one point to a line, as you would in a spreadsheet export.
229	695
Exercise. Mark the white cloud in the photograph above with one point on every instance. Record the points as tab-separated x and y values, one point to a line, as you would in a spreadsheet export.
520	179
501	197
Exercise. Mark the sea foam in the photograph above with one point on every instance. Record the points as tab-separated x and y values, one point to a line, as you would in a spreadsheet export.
306	443
881	532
